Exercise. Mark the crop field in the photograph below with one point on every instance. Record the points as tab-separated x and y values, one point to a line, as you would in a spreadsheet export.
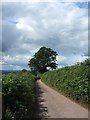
19	96
72	81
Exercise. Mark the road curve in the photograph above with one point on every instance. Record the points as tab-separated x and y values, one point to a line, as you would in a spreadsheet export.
52	104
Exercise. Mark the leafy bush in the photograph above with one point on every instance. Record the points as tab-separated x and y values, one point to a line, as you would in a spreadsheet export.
73	81
0	83
19	96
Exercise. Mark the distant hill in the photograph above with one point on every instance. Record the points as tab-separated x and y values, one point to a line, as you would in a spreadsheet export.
9	71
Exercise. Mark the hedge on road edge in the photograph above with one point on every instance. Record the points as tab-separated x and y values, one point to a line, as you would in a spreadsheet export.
72	81
19	96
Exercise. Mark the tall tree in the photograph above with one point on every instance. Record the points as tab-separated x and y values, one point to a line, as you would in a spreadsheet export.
42	60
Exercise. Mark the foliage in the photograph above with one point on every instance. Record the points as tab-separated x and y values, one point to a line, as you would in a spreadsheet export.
19	96
24	70
0	83
73	81
43	59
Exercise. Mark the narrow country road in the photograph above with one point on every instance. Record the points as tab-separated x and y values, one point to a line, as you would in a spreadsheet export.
52	104
0	107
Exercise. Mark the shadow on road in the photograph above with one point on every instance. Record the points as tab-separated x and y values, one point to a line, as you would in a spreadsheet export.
42	110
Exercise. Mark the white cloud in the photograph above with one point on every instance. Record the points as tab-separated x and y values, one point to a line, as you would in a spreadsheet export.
23	26
60	58
45	1
2	62
15	62
60	26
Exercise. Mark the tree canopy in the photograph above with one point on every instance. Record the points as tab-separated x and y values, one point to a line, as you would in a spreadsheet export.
43	59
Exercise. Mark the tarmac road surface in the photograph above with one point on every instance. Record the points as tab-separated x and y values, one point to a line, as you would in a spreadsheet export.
52	104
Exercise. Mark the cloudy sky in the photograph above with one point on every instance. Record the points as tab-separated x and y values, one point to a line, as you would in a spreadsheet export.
27	26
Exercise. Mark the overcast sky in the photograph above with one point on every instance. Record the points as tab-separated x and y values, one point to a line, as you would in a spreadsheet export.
62	26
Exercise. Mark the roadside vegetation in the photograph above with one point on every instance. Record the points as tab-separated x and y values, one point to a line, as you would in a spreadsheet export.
72	81
19	93
19	96
0	83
